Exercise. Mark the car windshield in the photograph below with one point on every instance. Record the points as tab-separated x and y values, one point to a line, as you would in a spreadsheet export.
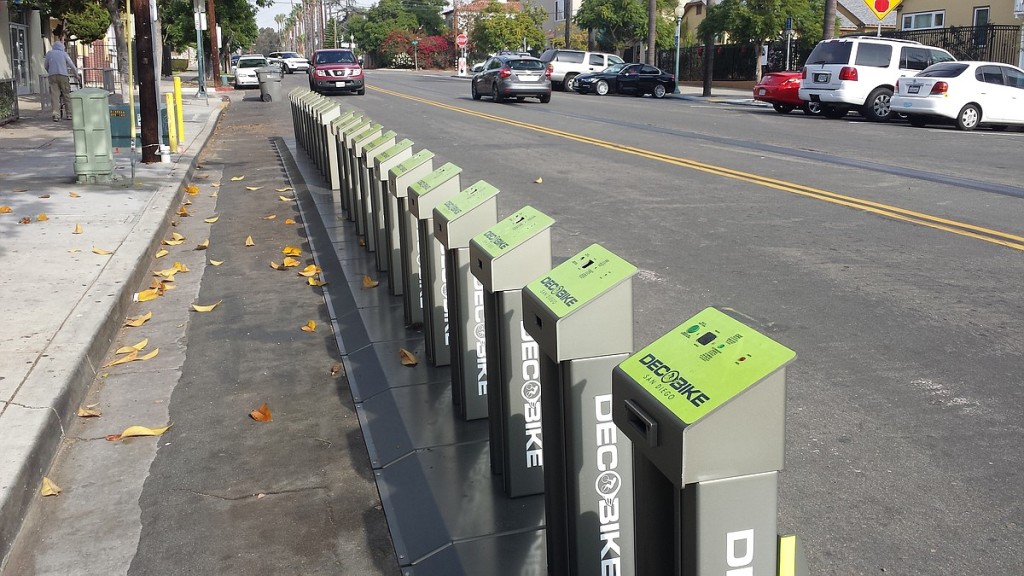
289	55
251	62
614	68
831	53
527	65
615	59
945	70
335	57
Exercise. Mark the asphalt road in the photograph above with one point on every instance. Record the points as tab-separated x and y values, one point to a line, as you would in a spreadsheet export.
888	257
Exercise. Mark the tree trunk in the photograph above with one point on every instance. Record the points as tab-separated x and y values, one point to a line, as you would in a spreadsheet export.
114	7
652	27
829	26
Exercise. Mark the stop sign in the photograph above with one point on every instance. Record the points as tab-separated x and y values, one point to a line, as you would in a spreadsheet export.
461	40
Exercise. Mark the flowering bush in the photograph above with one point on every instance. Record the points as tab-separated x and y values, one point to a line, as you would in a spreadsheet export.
397	51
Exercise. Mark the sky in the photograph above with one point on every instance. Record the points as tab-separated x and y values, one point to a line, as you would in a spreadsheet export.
265	16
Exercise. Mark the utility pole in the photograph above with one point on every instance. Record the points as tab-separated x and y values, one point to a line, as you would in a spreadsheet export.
214	41
568	22
829	26
147	82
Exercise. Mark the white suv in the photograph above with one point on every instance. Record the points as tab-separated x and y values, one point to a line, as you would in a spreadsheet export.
859	72
566	65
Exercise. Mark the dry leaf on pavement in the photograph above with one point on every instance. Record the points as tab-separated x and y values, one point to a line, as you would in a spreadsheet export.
270	216
253	188
42	217
88	412
49	488
5	209
203	245
262	414
123	359
134	431
74	194
276	266
216	262
309	327
290	262
211	219
285	199
369	282
289	221
249	242
314	282
311	270
408	358
147	295
134	347
285	189
237	178
183	211
136	321
161	253
336	368
201	308
192	189
100	251
78	229
291	251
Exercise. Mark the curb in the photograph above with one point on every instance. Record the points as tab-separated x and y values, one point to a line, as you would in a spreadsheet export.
35	428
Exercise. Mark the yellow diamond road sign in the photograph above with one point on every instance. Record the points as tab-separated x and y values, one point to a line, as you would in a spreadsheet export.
881	8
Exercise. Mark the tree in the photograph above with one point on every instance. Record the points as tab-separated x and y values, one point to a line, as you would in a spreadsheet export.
267	41
620	21
502	27
388	15
761	21
88	23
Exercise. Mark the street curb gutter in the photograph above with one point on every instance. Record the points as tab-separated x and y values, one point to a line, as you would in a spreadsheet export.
34	427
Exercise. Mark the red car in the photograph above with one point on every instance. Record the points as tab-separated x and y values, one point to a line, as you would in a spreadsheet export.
336	70
780	90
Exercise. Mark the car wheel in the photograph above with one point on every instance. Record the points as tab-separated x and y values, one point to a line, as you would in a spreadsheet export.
878	107
812	108
284	69
659	91
601	88
969	117
495	95
916	121
782	108
545	99
473	91
569	83
833	113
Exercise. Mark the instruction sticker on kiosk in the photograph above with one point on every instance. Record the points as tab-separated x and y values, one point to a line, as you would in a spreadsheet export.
704	362
512	231
579	280
434	179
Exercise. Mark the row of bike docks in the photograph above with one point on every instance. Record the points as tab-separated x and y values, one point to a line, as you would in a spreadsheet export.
662	461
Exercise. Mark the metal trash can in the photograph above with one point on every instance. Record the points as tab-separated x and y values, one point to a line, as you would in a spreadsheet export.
270	83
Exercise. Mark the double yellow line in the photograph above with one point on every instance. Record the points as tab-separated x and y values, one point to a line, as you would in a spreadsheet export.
960	228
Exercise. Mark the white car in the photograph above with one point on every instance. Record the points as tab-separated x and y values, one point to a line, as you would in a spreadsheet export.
289	61
245	70
969	93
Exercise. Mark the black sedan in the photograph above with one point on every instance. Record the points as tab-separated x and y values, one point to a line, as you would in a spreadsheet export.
636	79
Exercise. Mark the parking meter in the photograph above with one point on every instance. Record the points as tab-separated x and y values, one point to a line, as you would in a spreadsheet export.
581	316
370	182
380	168
424	195
456	221
504	258
359	174
704	406
351	179
404	256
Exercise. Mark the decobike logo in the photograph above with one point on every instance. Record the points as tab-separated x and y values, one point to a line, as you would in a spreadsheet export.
607	486
560	293
480	332
530	393
444	289
673	379
740	563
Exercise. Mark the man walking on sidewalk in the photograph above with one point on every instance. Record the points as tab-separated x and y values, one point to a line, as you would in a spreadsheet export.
58	64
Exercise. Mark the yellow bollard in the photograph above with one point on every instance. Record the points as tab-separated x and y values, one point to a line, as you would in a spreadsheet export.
178	109
172	133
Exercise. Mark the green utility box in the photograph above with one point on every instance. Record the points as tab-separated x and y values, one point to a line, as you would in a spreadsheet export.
121	126
94	160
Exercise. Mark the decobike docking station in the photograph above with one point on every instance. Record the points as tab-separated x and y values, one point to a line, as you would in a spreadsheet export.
504	258
362	195
402	247
365	125
345	170
382	164
426	194
581	316
704	406
329	153
337	168
456	221
370	151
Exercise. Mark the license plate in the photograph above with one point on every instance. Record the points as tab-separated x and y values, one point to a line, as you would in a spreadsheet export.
762	92
528	77
339	84
822	78
913	89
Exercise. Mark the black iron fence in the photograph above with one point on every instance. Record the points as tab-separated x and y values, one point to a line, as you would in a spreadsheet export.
995	43
733	62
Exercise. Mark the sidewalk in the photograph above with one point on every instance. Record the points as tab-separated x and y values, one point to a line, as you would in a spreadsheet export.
65	291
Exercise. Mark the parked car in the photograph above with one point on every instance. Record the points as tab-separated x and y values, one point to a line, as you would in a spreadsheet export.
509	75
859	73
782	91
636	79
967	93
234	59
245	70
567	65
336	70
289	61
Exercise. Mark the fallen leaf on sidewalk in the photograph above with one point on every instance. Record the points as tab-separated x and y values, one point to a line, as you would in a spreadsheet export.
25	220
192	189
20	190
100	251
133	348
253	188
312	281
175	240
362	242
285	199
74	250
370	282
270	216
89	411
337	367
161	253
147	295
5	209
237	178
42	217
78	229
309	327
538	181
249	242
262	414
310	270
45	196
74	194
134	431
136	321
150	356
289	221
203	245
49	488
408	358
207	308
290	262
213	194
122	360
180	267
276	266
211	219
285	189
216	262
291	251
183	211
215	185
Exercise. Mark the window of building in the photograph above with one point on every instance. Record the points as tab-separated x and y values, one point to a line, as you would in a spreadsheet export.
923	20
980	22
